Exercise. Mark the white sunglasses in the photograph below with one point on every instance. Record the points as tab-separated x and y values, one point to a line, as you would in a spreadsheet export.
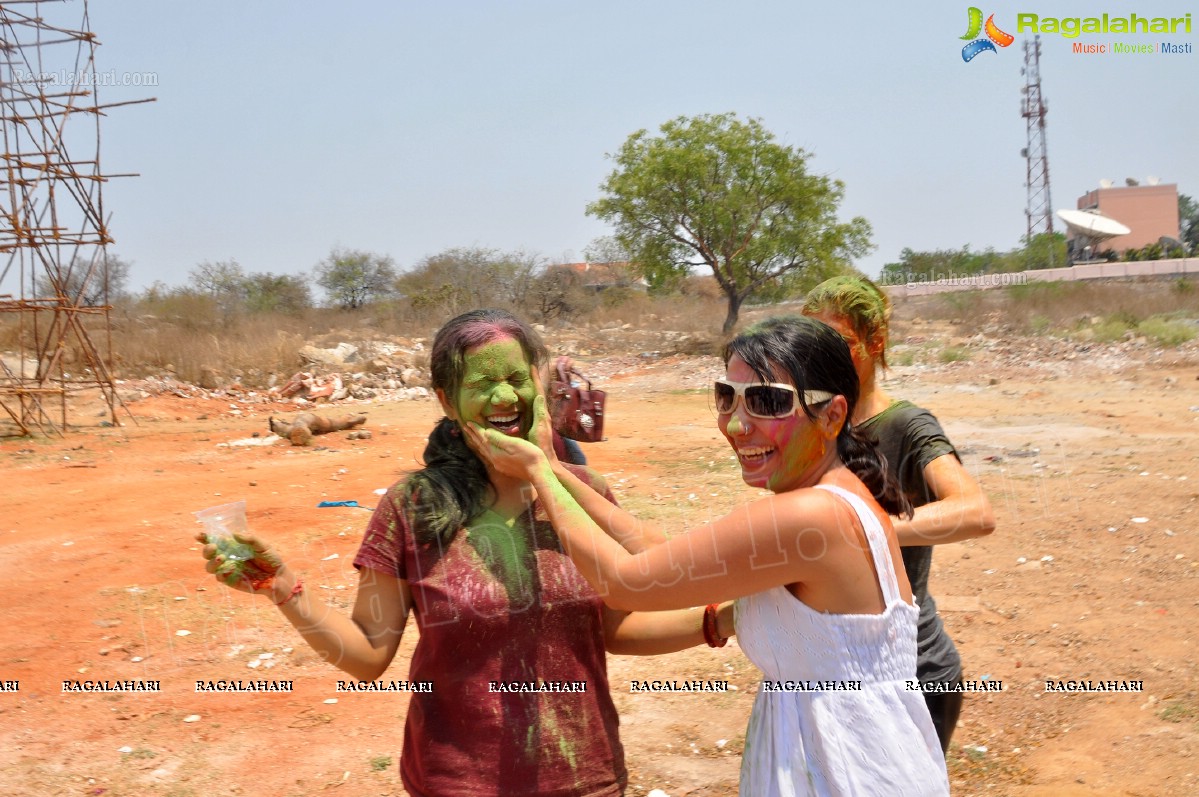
763	400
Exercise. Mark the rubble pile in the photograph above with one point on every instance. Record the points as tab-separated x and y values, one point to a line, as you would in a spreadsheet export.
353	387
373	371
620	338
397	369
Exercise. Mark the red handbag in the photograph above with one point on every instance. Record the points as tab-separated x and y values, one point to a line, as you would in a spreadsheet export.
576	412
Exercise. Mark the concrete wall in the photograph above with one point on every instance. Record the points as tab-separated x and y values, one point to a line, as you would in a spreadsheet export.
1152	268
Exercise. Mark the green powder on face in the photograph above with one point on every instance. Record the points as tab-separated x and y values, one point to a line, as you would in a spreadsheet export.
495	374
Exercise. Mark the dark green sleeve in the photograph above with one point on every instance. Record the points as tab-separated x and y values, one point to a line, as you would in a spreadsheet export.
926	440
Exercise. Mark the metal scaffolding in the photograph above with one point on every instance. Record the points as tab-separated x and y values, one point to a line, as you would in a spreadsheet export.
54	297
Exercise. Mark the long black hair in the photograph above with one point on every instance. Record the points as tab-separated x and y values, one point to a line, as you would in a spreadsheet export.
817	358
453	487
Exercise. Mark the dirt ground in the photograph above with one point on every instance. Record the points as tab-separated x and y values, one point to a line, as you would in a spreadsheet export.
1089	456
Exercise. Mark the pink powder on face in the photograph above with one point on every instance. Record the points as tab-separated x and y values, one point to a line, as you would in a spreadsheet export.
777	454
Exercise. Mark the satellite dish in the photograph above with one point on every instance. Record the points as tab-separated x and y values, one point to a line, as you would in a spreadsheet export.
1105	183
1091	224
1090	228
1131	182
1151	180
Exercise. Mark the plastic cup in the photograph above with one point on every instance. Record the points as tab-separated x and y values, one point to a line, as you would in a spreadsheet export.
220	524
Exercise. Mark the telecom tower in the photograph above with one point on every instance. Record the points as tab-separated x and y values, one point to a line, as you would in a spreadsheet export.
1039	210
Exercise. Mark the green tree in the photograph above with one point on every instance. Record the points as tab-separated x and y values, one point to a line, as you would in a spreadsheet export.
940	264
1046	250
353	278
93	282
277	293
717	192
1188	222
916	266
1153	251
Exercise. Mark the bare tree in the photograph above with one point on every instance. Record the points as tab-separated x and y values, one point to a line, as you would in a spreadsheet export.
87	282
466	278
353	278
223	281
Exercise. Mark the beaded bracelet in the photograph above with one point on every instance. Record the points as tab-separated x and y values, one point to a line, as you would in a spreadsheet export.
711	634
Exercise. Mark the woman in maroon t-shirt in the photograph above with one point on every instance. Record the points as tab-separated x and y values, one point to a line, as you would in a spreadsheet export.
508	679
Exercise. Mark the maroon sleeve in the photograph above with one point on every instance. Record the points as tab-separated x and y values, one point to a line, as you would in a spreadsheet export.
593	480
387	535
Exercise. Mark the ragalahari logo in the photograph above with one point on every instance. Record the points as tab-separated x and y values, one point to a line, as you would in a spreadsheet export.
994	35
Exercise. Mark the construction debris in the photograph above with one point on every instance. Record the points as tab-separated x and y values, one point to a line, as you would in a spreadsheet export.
314	388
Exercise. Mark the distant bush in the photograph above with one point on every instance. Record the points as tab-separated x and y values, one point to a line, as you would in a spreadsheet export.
1111	330
1166	331
1041	291
953	354
964	303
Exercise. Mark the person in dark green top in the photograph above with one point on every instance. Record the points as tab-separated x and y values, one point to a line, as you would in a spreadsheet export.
949	504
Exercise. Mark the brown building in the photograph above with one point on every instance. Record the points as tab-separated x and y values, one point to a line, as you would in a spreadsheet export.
601	276
1149	211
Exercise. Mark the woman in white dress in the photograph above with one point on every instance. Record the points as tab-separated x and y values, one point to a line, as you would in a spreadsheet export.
821	608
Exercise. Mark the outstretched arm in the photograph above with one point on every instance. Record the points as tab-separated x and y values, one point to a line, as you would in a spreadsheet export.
757	546
362	644
961	511
632	535
654	633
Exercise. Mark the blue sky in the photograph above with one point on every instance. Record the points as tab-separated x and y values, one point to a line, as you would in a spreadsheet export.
282	130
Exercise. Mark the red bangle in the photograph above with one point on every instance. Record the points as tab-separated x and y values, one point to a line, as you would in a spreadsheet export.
296	590
711	634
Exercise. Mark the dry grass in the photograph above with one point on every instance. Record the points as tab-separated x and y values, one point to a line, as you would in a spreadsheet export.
189	336
249	349
1163	310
